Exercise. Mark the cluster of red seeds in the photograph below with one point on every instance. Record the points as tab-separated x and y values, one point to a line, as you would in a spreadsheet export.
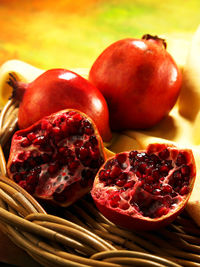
57	151
151	183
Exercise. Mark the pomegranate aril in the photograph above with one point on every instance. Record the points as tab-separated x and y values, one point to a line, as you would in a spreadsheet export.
148	188
157	191
73	165
120	183
129	184
83	153
184	190
31	136
115	172
164	154
121	158
25	142
93	140
166	188
181	159
185	170
17	177
23	184
162	211
155	174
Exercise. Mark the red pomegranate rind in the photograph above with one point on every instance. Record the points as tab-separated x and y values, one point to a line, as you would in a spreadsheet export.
145	190
57	158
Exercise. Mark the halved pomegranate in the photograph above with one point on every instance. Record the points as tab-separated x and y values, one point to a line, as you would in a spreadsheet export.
57	158
145	190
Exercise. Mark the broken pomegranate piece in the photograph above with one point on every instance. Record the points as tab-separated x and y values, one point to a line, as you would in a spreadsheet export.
57	158
145	190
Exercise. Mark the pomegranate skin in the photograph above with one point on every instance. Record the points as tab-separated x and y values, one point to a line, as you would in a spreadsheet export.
58	89
139	80
145	189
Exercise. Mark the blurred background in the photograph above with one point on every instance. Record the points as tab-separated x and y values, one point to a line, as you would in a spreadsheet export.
71	34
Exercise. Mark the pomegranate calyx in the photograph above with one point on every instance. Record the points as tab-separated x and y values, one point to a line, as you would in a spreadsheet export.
158	40
18	87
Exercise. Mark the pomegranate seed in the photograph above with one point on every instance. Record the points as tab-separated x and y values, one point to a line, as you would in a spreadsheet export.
78	143
21	156
93	140
181	159
23	184
129	184
120	183
121	158
177	175
132	154
148	188
149	179
83	153
167	188
184	190
73	165
161	211
164	154
25	142
32	179
17	177
164	169
156	191
115	172
77	117
185	170
155	174
31	136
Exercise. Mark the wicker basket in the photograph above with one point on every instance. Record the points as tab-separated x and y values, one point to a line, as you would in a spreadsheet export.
80	235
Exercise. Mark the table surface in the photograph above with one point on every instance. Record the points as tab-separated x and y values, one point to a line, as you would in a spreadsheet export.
71	34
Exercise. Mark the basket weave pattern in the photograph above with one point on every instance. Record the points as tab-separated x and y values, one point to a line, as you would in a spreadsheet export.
80	235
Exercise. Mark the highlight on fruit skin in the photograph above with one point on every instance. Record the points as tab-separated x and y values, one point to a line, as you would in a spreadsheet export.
56	159
145	189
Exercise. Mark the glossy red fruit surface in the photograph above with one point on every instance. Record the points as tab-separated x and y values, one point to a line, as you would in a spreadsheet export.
145	190
139	79
57	158
59	89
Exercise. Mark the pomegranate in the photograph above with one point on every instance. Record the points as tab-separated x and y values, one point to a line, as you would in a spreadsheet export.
57	158
58	89
139	79
145	190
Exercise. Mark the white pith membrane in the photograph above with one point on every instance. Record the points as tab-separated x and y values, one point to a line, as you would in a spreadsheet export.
60	150
136	193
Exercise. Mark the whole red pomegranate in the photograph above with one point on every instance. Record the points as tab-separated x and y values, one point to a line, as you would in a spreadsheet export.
58	89
145	190
57	158
139	79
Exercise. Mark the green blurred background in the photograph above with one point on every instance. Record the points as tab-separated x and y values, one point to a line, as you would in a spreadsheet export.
71	34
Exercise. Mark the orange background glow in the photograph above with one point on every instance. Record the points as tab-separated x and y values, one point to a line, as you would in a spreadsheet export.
71	34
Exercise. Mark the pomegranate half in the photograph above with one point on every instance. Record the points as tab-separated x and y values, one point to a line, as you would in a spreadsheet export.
145	190
57	158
